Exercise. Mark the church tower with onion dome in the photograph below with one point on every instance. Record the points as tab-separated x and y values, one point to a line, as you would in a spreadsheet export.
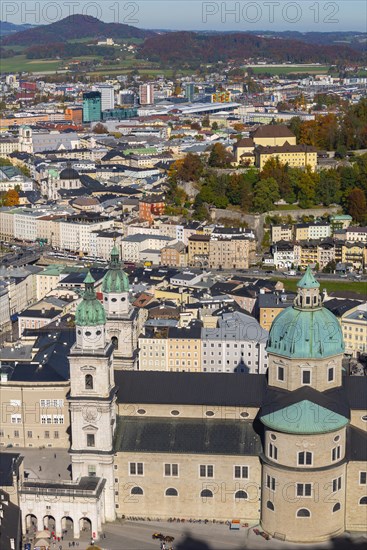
305	416
124	323
93	397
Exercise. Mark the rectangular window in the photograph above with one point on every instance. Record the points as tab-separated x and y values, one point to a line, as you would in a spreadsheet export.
304	489
136	468
281	373
206	470
91	440
305	458
337	484
47	435
29	435
362	478
241	472
58	418
273	451
306	377
270	482
46	419
171	470
16	418
56	435
330	374
336	453
16	433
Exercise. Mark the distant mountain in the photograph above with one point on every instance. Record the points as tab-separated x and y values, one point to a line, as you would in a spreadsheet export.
73	27
192	49
10	28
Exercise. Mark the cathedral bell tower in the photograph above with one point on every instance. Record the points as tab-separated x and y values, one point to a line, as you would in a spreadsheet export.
122	319
92	396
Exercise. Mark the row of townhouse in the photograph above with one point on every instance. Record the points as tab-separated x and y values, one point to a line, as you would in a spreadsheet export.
235	344
62	230
338	226
321	252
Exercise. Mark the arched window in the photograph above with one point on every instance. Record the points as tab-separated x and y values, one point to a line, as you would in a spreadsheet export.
88	382
136	491
303	513
336	507
240	494
270	505
206	493
363	500
171	492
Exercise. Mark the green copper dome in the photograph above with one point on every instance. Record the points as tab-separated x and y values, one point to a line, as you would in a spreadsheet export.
306	330
299	418
115	281
90	312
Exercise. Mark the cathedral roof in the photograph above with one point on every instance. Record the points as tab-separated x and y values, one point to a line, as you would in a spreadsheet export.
115	281
186	435
90	312
308	280
299	418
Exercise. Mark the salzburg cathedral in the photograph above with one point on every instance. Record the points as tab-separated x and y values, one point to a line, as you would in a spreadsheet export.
281	449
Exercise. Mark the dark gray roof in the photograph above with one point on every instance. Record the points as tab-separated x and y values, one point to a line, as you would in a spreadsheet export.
356	388
193	436
339	307
356	444
190	388
8	463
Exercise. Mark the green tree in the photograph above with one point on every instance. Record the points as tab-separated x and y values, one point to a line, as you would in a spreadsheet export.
266	193
328	189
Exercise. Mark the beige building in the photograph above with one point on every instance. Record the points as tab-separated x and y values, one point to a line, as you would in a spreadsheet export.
281	233
233	253
354	326
273	135
198	250
174	255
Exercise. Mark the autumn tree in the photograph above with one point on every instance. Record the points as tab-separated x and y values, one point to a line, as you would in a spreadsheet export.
100	128
11	198
191	168
220	156
357	205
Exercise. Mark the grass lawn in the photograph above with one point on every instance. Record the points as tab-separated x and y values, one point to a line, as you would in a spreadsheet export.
331	286
286	69
21	63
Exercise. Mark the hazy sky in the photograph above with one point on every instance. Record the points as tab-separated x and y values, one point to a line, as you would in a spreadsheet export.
301	15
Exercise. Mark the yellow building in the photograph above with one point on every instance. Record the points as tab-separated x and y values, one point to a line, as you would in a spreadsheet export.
244	152
234	253
355	254
296	156
184	348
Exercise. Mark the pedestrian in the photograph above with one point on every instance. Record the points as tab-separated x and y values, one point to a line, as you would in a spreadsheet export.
54	455
40	468
59	476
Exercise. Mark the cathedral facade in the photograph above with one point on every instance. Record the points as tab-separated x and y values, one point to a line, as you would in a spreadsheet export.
286	450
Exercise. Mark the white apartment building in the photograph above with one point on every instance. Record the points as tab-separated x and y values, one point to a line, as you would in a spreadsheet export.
357	234
319	231
25	224
237	344
132	246
75	232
